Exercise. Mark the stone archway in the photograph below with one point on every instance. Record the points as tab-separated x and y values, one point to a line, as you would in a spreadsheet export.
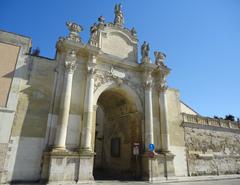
118	127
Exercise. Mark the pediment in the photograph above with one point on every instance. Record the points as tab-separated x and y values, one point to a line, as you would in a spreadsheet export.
118	43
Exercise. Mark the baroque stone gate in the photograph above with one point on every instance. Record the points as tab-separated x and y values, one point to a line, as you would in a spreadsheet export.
92	112
109	77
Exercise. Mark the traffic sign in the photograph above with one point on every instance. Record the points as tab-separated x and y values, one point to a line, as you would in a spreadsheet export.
151	147
136	148
151	154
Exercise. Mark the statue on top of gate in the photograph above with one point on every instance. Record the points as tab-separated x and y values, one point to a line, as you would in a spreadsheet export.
145	52
119	19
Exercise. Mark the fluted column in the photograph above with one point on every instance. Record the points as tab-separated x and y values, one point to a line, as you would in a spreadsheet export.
61	133
164	118
149	135
86	140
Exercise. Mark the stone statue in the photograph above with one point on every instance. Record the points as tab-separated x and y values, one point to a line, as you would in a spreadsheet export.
133	32
159	58
93	28
119	19
93	32
145	50
101	20
74	30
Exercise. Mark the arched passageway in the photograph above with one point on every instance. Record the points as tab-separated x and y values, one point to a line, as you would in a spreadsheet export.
118	127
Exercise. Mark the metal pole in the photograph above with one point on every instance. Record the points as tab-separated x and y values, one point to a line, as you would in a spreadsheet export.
151	171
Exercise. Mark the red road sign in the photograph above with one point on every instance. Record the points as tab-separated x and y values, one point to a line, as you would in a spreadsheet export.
151	154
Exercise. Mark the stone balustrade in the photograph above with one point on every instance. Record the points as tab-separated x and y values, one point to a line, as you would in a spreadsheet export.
196	119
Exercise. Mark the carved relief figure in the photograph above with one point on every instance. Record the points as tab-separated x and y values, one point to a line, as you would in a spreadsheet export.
119	19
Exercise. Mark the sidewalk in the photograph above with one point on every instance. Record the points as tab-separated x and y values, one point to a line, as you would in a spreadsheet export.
179	180
201	178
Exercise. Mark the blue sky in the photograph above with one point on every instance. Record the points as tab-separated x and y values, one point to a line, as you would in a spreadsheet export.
201	39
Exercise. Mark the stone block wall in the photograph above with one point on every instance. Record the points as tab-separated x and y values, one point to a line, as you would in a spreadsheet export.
212	149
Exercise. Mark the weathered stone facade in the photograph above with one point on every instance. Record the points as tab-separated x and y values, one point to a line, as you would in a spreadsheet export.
212	148
96	108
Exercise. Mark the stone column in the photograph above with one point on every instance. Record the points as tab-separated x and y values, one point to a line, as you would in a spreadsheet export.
149	136
61	133
164	118
86	140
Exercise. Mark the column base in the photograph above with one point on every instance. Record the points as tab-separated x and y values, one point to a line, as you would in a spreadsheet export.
58	148
86	167
159	168
66	167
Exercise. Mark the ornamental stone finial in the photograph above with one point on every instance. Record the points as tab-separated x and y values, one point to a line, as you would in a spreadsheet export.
70	62
119	19
145	52
159	58
74	30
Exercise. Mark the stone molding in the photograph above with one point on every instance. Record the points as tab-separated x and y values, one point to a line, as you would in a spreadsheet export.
116	75
209	122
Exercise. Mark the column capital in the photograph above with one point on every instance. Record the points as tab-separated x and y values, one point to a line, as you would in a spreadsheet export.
148	85
162	87
70	62
91	70
148	81
92	58
162	84
95	107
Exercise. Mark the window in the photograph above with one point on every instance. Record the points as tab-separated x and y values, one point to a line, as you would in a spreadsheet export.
115	147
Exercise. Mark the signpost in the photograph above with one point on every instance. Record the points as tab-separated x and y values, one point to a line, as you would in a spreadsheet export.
151	147
136	149
151	154
136	153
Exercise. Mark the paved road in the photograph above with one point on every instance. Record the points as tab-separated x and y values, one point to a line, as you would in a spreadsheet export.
209	182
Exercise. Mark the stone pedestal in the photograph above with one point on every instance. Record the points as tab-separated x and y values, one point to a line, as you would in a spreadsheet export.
158	168
169	166
146	60
86	167
67	167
